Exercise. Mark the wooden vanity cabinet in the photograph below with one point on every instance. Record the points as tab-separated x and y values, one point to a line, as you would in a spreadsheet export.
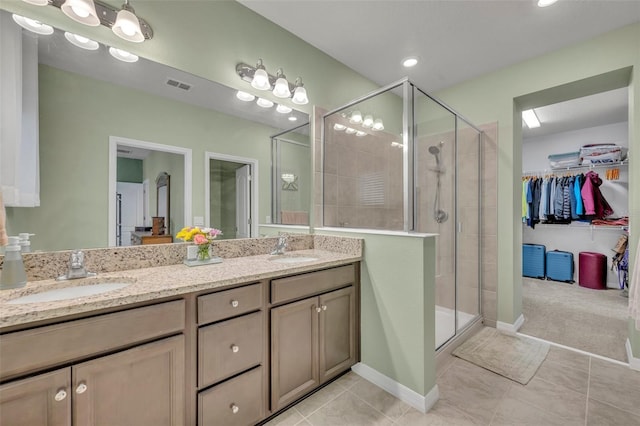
135	382
313	339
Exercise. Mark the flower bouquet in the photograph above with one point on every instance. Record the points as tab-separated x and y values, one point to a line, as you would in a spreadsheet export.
202	238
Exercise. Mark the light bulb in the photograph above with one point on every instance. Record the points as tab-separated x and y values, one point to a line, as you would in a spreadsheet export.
283	109
377	124
264	103
300	96
260	80
350	131
360	133
356	117
244	96
83	11
339	127
281	88
368	121
127	26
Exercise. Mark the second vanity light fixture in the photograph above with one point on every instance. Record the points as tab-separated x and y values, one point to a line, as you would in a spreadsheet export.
123	22
278	84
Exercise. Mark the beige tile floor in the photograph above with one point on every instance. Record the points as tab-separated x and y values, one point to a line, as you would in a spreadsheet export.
570	388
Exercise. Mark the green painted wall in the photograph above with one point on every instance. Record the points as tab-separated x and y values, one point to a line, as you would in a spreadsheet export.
493	96
129	170
398	307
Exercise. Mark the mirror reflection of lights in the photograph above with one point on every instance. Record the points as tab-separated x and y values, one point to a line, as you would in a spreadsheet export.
33	25
81	41
360	133
339	127
283	109
293	118
123	55
244	96
264	103
350	131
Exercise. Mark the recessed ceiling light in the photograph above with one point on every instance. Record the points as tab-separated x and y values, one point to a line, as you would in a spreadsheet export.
545	3
82	42
264	103
244	96
293	118
123	55
410	62
33	25
283	109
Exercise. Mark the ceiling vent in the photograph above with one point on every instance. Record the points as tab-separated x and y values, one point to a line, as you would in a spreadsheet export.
178	84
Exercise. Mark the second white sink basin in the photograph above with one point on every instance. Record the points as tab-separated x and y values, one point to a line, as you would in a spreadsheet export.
292	259
68	293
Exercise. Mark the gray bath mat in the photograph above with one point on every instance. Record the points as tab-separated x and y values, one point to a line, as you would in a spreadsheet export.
514	357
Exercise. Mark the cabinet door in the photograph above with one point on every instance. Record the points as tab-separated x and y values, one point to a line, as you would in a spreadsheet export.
337	332
43	400
294	351
140	386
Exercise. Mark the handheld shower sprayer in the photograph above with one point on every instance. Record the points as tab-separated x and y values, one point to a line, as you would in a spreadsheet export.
439	215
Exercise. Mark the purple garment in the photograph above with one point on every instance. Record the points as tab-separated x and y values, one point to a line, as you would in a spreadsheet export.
594	201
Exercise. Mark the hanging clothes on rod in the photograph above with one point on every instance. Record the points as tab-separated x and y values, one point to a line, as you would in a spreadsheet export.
563	198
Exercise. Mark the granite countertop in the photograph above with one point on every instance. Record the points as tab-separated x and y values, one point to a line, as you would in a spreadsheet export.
148	284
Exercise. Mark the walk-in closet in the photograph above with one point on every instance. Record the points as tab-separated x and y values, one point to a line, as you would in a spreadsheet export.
575	212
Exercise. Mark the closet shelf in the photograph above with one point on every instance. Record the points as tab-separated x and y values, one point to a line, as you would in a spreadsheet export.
587	166
589	227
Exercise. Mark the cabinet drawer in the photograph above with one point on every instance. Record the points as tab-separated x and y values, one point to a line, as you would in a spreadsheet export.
303	285
229	347
229	303
41	347
238	402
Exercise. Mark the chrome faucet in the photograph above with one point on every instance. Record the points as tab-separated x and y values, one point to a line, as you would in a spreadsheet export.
76	267
281	245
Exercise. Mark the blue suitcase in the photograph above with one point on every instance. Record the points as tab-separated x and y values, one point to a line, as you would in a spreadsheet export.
560	266
533	258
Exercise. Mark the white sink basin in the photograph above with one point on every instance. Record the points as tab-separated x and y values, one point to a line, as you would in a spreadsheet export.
68	293
292	259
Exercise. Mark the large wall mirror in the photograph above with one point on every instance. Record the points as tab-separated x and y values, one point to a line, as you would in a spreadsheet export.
87	99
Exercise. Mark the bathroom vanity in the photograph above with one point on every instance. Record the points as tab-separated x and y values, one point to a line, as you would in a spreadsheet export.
226	344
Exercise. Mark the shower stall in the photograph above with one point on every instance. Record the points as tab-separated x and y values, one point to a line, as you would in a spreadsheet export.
400	160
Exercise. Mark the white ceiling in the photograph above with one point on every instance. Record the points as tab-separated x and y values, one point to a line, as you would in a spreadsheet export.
455	40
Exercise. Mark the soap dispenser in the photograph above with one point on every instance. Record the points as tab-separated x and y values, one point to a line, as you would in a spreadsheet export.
13	274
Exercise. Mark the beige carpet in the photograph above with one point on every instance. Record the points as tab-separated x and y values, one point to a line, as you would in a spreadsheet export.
514	357
591	320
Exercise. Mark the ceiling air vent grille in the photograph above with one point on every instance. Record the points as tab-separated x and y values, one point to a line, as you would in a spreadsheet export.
178	84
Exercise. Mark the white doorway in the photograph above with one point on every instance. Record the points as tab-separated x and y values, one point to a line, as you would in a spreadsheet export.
231	196
129	210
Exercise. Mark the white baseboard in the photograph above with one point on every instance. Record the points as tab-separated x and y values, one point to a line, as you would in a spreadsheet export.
400	391
634	363
510	328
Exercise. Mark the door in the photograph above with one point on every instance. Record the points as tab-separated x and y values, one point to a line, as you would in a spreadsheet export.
243	201
140	386
294	351
43	400
130	212
337	343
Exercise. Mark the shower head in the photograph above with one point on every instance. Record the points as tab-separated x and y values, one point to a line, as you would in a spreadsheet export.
434	150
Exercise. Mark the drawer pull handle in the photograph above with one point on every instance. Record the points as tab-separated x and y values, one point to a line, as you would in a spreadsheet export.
234	408
82	388
235	348
62	394
324	307
235	303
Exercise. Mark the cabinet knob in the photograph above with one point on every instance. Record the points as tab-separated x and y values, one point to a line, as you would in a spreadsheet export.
318	310
60	395
235	303
324	307
234	408
234	348
82	388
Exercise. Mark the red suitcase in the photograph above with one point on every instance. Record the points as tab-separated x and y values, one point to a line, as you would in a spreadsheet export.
592	271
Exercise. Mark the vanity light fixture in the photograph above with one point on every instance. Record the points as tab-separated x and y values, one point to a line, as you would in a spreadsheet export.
283	109
530	118
339	127
360	133
127	26
264	103
123	21
83	11
355	117
260	79
123	55
37	2
81	41
244	96
350	130
32	25
367	121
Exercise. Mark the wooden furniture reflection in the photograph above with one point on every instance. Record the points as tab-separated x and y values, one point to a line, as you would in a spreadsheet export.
142	238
